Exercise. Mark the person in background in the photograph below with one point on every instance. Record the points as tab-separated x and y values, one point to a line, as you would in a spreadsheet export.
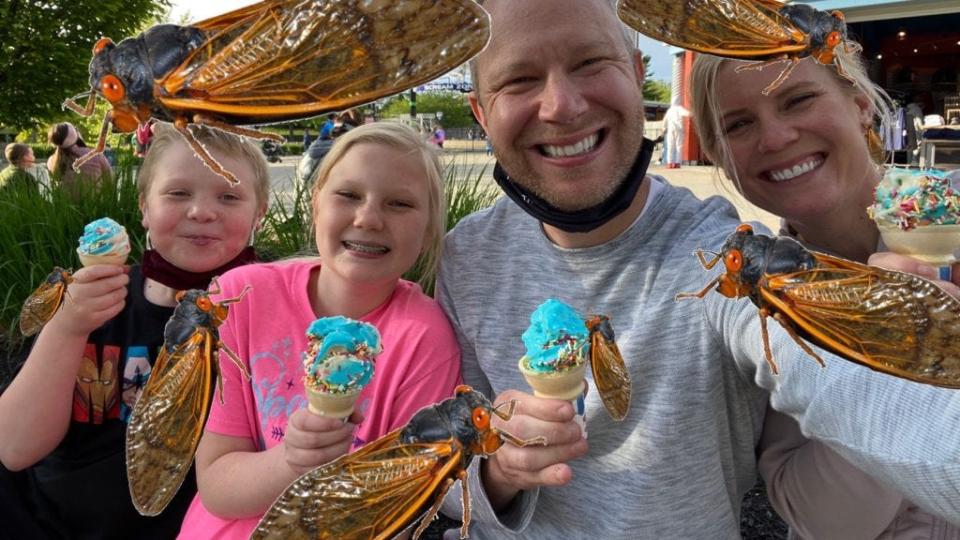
559	90
16	174
378	206
345	121
65	414
809	152
69	147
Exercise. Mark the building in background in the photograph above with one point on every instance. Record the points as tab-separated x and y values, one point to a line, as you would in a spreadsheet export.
912	48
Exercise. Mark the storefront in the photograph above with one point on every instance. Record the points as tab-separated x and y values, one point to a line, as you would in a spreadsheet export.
912	49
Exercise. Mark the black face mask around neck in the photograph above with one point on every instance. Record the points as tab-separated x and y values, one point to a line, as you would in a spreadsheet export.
587	219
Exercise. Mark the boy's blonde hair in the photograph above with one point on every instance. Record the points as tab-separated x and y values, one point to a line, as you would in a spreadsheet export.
14	152
406	139
165	134
705	108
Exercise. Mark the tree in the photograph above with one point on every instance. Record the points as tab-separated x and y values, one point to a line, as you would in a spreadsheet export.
45	50
453	105
654	90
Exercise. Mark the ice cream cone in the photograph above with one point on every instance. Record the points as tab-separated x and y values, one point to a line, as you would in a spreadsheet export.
114	258
331	405
566	385
933	244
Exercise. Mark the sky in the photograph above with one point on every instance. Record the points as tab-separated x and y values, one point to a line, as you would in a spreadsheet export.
199	10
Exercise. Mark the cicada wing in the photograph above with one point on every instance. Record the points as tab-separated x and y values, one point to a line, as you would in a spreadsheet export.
375	492
43	303
892	322
610	375
747	29
294	59
167	422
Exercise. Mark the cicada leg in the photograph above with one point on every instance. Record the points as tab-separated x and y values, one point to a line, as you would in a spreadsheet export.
766	342
101	143
803	345
87	109
184	128
539	440
435	507
237	130
702	292
465	501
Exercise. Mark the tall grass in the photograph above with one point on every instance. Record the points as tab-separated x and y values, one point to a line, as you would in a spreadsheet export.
39	229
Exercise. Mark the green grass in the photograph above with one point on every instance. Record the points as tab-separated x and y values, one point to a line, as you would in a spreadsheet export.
39	230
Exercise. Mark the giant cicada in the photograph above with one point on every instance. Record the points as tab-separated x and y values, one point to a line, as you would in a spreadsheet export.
382	488
764	30
278	60
889	321
168	418
610	373
44	302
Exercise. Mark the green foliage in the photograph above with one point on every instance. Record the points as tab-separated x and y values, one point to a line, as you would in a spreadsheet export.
453	105
45	49
39	230
654	90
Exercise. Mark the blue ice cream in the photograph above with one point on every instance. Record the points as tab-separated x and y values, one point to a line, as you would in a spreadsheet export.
104	240
340	355
557	339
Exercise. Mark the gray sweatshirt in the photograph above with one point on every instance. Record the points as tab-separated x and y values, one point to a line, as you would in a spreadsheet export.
680	463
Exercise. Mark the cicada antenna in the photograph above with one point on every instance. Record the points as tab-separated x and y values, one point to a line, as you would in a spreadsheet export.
86	110
703	260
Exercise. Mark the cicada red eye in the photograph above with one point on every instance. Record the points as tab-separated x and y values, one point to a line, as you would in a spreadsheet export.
481	419
101	44
112	88
733	260
204	303
833	39
745	228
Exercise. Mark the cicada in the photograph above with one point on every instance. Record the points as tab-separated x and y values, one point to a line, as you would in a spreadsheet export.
44	302
382	488
610	373
768	31
889	321
277	60
168	418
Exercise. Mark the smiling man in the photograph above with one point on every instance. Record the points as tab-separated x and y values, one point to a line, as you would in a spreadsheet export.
558	90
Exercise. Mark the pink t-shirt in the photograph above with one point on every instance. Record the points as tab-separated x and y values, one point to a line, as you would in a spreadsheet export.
419	366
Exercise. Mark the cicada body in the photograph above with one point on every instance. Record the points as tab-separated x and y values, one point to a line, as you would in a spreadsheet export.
44	302
889	321
168	418
762	30
382	488
279	60
610	373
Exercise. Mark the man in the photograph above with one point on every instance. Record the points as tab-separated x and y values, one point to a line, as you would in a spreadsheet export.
558	91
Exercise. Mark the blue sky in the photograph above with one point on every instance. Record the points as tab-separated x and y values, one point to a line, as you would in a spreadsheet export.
660	55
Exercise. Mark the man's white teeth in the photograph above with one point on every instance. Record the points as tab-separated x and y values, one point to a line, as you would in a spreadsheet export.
583	146
797	170
365	248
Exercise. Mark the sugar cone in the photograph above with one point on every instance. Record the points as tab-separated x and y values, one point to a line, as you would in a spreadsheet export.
566	385
113	258
332	405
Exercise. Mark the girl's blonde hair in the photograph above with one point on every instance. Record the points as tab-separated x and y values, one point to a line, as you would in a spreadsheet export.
164	134
709	125
405	139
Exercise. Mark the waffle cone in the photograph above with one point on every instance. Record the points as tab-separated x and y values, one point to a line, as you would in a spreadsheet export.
934	244
332	405
566	385
117	259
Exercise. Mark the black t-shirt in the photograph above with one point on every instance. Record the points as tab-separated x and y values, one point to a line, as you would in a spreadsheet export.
80	490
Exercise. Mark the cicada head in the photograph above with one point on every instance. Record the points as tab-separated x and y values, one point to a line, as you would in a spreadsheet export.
119	74
825	30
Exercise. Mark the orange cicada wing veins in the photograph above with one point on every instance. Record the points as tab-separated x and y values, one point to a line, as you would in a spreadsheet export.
167	421
747	29
44	302
889	321
295	59
375	492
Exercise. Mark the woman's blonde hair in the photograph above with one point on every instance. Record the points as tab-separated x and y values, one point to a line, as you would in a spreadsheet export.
164	134
709	125
405	139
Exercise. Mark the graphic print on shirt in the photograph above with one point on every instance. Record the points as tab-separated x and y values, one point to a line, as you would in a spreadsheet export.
136	370
275	397
96	396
